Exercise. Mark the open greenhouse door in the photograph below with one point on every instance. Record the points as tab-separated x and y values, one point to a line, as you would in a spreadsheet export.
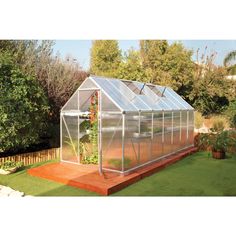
69	130
89	127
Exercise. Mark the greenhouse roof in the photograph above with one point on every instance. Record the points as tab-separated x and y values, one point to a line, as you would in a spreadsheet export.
136	96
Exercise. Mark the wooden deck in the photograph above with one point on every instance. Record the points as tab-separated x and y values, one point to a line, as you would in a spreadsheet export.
87	176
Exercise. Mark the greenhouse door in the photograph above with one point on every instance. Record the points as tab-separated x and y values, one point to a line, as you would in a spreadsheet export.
89	121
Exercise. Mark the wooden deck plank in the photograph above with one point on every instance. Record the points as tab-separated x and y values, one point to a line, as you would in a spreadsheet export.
87	176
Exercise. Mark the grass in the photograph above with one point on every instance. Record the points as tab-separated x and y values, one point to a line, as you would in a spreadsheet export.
30	185
196	175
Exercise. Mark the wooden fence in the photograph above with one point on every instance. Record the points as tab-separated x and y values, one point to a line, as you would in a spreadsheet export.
33	157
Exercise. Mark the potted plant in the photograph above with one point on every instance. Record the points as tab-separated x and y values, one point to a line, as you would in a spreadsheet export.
218	142
9	167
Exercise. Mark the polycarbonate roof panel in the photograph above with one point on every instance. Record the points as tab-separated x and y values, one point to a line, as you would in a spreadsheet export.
165	103
154	106
180	99
144	98
174	100
115	95
129	94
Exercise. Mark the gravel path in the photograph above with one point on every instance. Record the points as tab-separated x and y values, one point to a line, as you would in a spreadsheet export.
9	192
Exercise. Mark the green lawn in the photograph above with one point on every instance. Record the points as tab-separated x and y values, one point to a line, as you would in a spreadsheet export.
196	175
40	187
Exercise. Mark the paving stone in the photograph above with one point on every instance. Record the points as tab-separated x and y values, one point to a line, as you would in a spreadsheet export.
9	192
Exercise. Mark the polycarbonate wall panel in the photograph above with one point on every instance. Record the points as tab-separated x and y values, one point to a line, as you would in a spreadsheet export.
167	146
184	130
70	139
191	118
72	103
131	141
145	139
191	128
88	84
157	144
85	99
176	132
112	141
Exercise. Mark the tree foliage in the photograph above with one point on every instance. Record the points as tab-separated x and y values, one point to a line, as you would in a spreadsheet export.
229	62
58	78
105	58
168	65
131	67
230	57
23	107
211	90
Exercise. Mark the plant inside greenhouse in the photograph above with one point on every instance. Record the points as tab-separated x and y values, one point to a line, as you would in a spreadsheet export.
121	125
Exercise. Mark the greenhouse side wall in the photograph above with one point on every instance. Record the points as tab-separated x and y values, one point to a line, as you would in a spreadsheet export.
131	148
152	136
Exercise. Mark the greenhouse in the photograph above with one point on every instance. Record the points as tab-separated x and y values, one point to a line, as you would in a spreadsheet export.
121	125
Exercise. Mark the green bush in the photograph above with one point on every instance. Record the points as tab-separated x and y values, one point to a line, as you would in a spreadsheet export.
23	109
218	141
231	114
232	148
7	165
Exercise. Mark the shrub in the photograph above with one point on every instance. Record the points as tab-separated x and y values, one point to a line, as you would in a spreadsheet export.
198	119
232	147
219	123
23	107
7	165
201	145
218	141
231	114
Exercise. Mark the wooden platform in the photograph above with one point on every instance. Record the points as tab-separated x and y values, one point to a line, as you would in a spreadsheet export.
87	176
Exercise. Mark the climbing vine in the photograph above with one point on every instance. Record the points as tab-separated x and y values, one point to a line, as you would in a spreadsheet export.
92	158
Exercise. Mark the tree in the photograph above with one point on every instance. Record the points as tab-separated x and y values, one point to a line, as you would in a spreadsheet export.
131	67
105	58
211	91
178	64
168	65
24	107
59	79
7	45
152	52
228	60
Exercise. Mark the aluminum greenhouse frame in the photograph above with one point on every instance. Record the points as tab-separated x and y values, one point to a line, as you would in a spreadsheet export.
137	123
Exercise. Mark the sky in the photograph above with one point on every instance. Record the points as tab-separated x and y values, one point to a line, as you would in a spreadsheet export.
80	49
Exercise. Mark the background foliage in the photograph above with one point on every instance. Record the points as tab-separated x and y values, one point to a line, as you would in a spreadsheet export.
23	107
201	83
35	83
57	80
